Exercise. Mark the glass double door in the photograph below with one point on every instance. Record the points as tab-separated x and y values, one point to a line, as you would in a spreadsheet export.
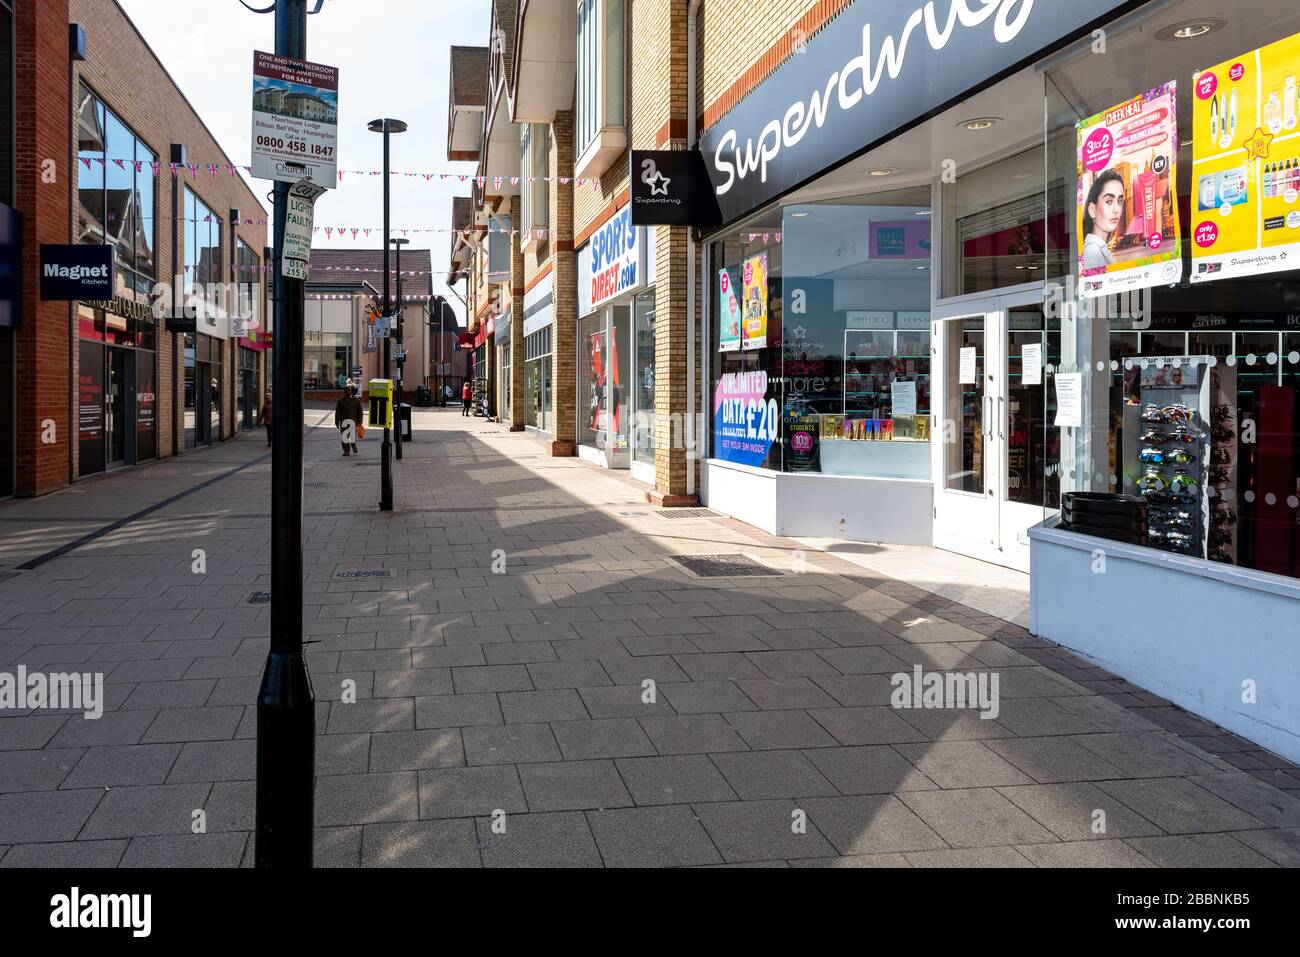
995	460
605	386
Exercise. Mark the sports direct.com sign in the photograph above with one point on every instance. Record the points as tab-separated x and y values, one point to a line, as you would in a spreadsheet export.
612	264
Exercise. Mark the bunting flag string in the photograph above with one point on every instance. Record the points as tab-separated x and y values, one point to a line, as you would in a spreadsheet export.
193	170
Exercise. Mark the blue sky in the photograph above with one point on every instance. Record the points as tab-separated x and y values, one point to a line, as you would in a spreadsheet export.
392	57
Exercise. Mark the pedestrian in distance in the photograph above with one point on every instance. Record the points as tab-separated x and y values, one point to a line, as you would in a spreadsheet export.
466	396
266	416
347	415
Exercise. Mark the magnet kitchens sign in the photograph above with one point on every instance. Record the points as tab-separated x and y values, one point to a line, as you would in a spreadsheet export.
875	69
70	273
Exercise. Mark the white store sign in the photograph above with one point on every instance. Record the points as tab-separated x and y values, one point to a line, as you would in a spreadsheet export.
613	263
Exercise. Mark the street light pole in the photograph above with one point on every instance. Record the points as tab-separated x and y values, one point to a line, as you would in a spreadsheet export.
401	338
387	126
286	705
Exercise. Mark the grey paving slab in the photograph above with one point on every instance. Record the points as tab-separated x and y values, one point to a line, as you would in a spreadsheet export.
561	839
870	824
625	701
41	770
962	764
1102	853
491	678
779	729
466	792
146	810
193	724
776	694
700	697
411	683
602	738
366	798
547	675
1199	850
377	714
66	854
187	850
669	836
1179	806
877	769
1279	845
854	726
457	711
342	753
975	817
526	707
335	847
752	831
763	775
36	817
26	732
573	785
855	690
675	779
451	843
980	857
634	670
1079	811
122	765
692	734
1144	754
726	666
510	744
416	750
1055	759
1262	801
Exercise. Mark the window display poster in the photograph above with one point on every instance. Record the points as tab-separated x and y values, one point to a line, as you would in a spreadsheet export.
745	421
754	298
1128	195
966	367
802	438
1069	400
729	315
903	396
1031	363
1246	164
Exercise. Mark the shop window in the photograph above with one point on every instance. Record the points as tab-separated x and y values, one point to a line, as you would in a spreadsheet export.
537	378
534	197
1189	388
203	258
602	67
248	278
116	194
746	373
644	374
855	336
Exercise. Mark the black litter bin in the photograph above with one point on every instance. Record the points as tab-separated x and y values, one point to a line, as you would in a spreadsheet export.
404	421
423	397
1120	518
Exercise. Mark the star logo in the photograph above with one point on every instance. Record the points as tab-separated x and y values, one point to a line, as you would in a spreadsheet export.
799	332
658	184
1257	145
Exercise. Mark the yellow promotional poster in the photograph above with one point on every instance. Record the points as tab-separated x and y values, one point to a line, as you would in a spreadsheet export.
754	287
1246	166
1128	195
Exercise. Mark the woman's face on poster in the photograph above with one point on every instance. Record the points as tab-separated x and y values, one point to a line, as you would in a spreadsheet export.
1108	208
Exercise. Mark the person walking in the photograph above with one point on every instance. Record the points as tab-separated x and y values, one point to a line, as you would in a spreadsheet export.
466	395
266	416
348	411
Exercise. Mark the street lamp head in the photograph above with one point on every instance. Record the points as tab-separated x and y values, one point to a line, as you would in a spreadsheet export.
386	126
400	242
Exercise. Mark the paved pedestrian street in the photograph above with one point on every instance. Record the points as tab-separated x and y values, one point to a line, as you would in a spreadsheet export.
523	666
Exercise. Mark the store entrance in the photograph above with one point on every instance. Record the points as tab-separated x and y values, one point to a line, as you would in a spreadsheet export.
994	463
120	383
203	420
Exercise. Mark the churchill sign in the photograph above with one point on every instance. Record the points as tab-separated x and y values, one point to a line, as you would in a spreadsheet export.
76	272
877	68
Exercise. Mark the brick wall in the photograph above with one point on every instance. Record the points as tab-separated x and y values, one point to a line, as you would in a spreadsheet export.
44	339
514	415
127	76
564	360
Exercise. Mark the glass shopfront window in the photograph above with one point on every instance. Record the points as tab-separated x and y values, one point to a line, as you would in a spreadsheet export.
643	329
1190	389
326	360
537	380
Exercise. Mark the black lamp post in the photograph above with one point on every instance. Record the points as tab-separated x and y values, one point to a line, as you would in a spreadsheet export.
401	339
387	127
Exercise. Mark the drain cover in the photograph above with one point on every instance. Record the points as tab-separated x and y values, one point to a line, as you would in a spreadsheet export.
724	566
260	598
365	573
686	513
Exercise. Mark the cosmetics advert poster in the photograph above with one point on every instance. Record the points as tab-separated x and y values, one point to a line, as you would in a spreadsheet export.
729	314
1246	164
1128	197
754	302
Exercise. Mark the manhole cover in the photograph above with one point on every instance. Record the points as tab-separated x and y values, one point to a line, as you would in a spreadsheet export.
724	566
352	573
260	598
679	514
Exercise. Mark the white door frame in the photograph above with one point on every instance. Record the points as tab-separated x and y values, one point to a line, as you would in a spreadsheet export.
984	524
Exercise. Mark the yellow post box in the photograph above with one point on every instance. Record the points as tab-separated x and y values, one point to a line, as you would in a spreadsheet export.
381	403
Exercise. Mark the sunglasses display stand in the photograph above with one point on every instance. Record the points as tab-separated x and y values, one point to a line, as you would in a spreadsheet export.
1167	448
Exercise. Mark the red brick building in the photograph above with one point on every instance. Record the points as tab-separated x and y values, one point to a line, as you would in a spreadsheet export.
108	150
